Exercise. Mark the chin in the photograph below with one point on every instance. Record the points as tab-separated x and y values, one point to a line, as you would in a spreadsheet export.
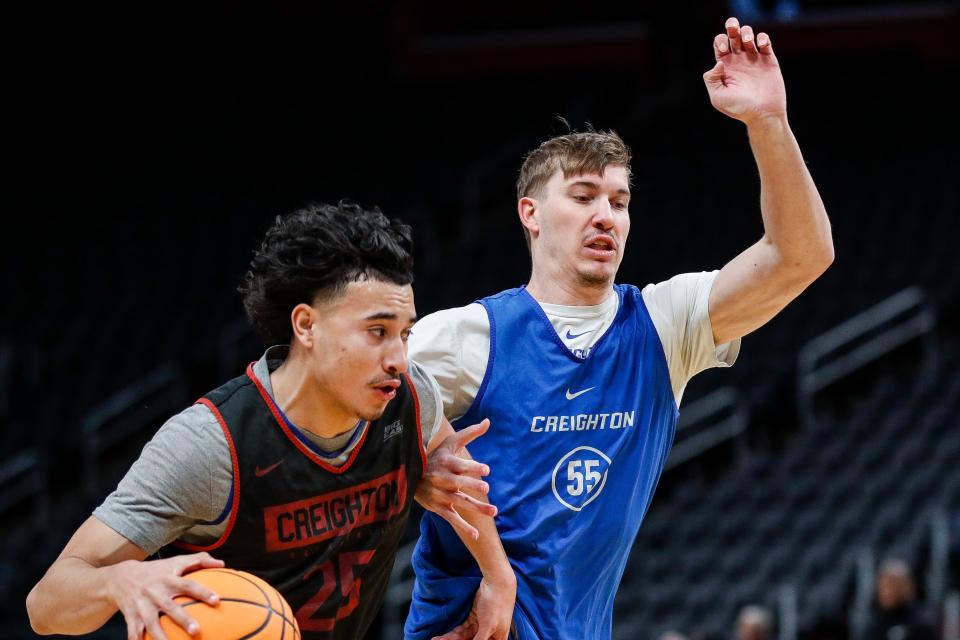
372	414
600	278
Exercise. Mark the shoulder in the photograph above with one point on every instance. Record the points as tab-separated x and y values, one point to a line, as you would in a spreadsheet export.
423	383
194	427
680	290
456	321
429	400
442	334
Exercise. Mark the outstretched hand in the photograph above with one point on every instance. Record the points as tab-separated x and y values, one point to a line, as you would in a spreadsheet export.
745	83
450	472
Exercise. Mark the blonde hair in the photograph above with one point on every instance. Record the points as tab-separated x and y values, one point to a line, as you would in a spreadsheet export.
575	153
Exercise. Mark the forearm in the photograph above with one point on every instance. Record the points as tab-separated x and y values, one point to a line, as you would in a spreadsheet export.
73	598
487	549
794	219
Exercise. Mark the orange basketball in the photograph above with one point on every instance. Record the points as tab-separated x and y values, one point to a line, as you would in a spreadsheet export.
248	608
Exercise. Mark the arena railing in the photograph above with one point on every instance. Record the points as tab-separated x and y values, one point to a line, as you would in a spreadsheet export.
708	421
22	480
861	340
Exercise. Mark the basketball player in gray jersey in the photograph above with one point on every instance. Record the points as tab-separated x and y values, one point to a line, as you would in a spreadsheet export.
336	410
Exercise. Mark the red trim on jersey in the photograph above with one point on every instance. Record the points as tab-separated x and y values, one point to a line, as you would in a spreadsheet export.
416	406
304	449
235	507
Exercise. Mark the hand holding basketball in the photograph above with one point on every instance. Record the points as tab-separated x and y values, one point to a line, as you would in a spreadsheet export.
144	590
248	607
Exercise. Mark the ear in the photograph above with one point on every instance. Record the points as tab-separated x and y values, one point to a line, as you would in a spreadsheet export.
304	319
528	208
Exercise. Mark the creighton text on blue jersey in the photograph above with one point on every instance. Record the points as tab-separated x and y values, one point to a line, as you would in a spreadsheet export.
582	422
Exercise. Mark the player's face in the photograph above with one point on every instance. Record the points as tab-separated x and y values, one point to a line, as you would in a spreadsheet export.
361	346
584	224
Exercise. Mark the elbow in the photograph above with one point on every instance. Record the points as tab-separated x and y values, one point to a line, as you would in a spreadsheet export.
825	257
818	261
37	622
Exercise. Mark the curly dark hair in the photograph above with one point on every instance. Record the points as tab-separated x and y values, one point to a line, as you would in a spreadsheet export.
313	253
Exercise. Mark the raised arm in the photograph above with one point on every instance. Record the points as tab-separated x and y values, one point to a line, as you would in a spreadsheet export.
100	572
797	246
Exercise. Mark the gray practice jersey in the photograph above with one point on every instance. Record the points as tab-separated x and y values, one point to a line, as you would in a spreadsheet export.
180	485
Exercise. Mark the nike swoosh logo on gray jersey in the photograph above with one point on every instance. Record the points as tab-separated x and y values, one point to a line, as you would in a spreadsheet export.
571	396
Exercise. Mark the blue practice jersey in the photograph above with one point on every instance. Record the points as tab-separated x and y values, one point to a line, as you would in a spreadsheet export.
575	447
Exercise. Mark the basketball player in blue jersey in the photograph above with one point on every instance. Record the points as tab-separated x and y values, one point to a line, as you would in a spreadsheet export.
581	378
303	469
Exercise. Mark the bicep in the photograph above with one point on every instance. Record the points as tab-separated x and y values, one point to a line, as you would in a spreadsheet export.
181	478
99	546
750	290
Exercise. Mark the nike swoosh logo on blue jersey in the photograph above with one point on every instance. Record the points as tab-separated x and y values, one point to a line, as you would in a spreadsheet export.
571	396
571	336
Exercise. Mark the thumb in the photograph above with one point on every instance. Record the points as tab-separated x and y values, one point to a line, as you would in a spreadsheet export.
714	77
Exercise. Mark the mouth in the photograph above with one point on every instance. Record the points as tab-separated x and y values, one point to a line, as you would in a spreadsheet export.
386	389
602	246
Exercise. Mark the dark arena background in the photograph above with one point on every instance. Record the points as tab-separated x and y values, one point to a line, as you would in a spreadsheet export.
147	155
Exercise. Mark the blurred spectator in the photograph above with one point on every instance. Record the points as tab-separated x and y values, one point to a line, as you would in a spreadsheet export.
898	615
672	635
754	623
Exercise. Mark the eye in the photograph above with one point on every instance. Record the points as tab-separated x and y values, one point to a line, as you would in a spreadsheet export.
582	198
378	331
405	335
620	205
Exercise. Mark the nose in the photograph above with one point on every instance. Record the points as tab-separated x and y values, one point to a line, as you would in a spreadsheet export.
603	215
395	357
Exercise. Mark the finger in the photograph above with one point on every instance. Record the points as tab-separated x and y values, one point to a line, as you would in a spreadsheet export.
179	615
155	630
733	33
468	502
447	483
134	628
721	45
764	45
747	40
471	433
196	561
459	524
466	483
463	466
198	591
149	617
714	77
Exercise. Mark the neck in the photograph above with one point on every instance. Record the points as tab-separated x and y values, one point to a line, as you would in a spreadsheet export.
301	398
566	291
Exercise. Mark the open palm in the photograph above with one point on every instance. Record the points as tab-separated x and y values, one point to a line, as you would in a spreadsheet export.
745	83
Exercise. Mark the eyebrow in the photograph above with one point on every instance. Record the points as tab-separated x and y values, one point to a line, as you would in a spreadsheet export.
594	185
386	315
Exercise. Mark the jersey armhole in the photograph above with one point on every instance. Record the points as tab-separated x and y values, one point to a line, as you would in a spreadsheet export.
421	445
234	500
664	365
490	357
